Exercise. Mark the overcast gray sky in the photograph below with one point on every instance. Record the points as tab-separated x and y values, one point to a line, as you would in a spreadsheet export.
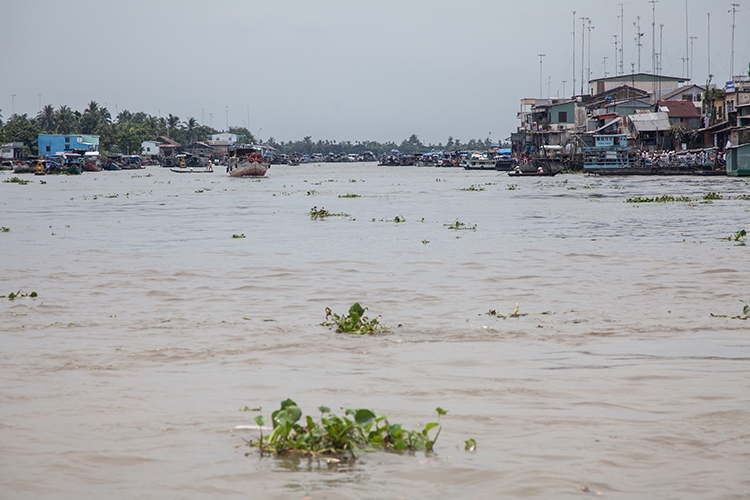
341	69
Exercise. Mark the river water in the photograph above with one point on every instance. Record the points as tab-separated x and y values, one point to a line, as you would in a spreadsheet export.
153	328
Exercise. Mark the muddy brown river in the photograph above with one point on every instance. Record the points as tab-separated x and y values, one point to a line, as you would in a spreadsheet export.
153	328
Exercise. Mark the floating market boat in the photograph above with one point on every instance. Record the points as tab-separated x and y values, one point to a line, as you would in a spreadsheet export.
479	162
535	173
247	161
190	170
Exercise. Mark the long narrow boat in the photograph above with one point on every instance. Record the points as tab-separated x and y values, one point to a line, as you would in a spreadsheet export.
546	173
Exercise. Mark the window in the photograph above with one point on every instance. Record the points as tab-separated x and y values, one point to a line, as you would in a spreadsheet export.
562	116
67	140
687	97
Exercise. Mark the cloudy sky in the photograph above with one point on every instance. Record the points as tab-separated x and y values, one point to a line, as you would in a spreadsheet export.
344	69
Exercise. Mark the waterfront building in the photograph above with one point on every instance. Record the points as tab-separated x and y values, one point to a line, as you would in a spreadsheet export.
50	144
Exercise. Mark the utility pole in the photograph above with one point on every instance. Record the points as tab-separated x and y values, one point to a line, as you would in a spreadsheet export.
622	38
588	69
690	76
227	117
653	35
604	63
583	36
549	85
40	102
638	43
564	82
574	55
13	104
731	68
540	74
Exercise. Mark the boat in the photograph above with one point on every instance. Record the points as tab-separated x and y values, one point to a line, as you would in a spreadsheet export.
190	170
247	161
535	173
479	162
504	161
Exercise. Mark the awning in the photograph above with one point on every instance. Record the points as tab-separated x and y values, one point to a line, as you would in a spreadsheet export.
615	120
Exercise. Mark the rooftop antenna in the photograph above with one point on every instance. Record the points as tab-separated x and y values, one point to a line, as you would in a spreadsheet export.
588	69
616	66
638	43
13	104
653	35
574	54
690	75
583	36
540	74
604	63
564	82
731	68
622	39
687	39
709	44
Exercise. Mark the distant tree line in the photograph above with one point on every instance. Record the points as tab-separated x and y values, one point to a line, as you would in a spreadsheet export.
125	132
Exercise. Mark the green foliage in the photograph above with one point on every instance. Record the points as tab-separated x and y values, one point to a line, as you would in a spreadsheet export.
5	229
460	226
514	314
20	294
399	218
473	187
660	199
712	196
355	322
343	437
738	236
511	187
744	316
20	128
349	195
17	180
322	213
238	236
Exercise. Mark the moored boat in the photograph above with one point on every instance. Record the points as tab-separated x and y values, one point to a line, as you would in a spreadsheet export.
247	161
190	170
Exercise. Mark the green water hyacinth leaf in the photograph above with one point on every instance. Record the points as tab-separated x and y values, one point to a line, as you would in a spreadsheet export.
334	437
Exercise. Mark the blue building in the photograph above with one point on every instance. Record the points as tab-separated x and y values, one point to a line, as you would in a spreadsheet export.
50	144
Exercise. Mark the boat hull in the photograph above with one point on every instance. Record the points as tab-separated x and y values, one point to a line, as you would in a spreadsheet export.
245	168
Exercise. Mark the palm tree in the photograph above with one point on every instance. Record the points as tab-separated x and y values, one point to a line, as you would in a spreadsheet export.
45	119
124	116
172	123
190	126
65	120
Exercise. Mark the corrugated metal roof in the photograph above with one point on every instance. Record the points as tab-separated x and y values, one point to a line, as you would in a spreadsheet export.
650	122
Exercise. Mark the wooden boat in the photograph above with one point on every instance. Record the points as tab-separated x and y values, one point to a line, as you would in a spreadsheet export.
191	170
546	173
247	161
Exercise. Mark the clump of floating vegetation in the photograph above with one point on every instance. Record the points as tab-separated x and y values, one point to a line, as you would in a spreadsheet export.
473	187
712	196
17	180
19	294
742	197
511	187
238	235
5	229
738	236
355	322
460	226
349	195
745	312
399	218
334	438
514	314
659	199
322	213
